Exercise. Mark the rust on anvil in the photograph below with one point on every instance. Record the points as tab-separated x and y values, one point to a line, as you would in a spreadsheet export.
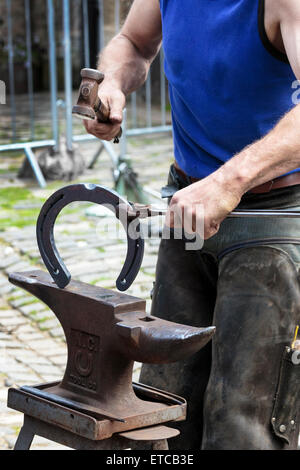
106	331
85	425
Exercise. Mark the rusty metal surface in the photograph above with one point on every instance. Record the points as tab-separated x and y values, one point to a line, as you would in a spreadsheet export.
33	426
106	331
89	193
82	424
71	404
70	420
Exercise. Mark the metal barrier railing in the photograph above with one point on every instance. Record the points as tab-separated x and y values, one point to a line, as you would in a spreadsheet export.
54	11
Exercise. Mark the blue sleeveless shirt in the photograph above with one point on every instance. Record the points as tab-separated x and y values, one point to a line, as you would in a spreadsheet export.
228	85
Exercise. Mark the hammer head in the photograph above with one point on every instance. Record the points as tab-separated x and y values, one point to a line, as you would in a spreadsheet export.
89	104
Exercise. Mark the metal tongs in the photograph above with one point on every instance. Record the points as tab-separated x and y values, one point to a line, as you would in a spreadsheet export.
143	211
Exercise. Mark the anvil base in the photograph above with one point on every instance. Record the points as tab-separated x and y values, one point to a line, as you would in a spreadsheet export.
80	430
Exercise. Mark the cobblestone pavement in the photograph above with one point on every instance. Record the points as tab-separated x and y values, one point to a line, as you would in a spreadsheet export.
32	346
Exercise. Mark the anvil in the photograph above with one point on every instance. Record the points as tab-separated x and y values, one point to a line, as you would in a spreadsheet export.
106	331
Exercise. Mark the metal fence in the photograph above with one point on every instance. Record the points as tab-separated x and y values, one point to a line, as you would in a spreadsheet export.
63	11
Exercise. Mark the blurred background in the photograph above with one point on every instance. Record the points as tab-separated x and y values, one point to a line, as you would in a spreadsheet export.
43	46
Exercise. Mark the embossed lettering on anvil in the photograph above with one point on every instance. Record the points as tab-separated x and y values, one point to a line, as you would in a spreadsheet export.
84	359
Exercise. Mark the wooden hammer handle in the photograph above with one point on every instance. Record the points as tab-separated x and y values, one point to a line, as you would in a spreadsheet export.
102	111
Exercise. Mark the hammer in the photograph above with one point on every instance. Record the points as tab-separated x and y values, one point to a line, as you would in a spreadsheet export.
89	106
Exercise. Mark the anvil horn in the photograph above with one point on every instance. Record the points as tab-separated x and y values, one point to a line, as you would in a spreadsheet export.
161	342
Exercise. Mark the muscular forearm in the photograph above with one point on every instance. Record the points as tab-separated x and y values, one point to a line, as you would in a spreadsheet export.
123	65
272	156
127	58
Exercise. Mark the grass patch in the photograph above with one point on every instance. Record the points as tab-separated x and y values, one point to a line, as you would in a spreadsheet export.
16	429
10	169
18	223
12	298
5	307
11	153
34	260
100	279
28	302
11	217
10	196
43	320
33	313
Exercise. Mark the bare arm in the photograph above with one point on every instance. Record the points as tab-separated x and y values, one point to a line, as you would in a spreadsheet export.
125	62
272	156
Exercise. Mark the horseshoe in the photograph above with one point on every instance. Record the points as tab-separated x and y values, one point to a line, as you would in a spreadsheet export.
87	193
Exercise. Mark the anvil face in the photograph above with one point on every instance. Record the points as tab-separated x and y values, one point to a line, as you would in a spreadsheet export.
106	331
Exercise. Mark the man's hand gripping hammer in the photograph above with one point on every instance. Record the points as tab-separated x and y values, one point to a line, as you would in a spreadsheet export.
89	106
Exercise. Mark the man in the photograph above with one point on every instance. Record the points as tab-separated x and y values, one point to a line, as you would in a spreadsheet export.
231	66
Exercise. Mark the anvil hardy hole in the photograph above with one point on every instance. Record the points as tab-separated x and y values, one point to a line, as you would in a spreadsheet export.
33	276
72	416
147	319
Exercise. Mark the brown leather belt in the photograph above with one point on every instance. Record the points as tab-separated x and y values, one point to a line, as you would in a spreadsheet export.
281	182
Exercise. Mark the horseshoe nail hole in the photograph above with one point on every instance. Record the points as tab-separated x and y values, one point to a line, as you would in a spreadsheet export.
147	319
123	282
56	271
